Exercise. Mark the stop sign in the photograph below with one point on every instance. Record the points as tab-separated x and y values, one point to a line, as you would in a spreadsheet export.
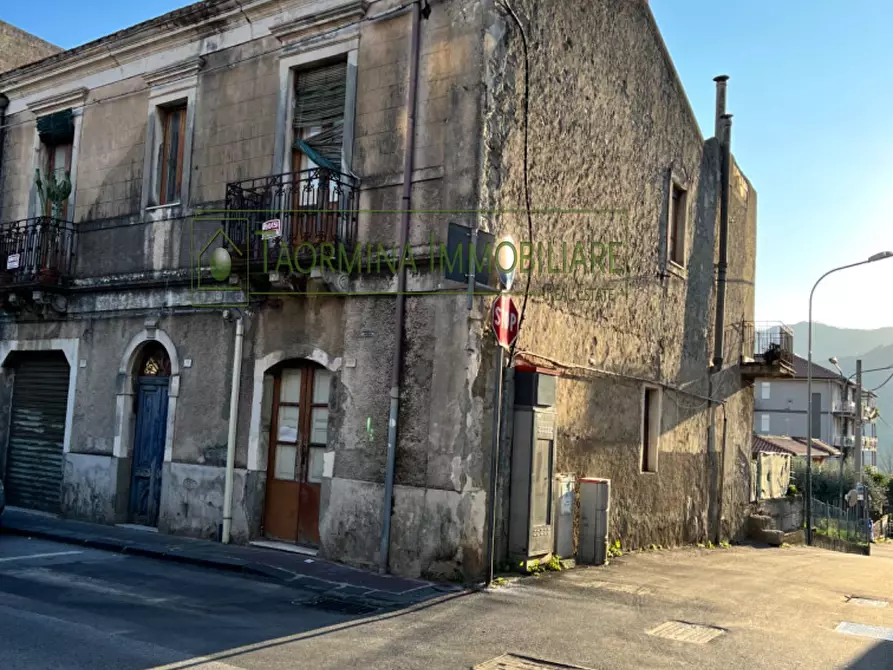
505	320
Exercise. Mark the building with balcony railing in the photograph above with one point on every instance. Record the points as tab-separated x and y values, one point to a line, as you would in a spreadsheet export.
780	408
304	189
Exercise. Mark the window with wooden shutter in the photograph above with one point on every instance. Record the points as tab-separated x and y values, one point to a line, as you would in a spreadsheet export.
170	163
318	123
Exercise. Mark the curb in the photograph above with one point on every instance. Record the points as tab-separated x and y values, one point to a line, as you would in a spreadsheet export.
380	600
136	550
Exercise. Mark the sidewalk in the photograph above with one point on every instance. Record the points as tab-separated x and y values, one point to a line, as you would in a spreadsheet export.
302	572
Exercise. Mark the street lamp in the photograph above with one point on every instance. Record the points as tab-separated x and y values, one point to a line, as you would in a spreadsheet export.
871	259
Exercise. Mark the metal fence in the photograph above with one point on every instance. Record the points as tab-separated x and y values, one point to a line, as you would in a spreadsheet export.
850	524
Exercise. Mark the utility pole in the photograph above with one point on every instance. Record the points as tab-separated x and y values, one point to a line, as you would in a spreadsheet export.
857	438
857	433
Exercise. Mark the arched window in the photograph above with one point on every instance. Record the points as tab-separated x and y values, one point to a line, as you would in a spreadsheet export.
154	361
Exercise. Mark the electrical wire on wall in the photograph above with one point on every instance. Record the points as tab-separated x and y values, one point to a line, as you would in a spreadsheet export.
526	106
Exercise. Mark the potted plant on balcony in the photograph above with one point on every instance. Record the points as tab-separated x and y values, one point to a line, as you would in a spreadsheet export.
51	197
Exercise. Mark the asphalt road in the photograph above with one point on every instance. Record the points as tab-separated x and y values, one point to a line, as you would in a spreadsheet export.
62	606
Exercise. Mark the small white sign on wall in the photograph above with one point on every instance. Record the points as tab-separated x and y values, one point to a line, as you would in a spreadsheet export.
12	261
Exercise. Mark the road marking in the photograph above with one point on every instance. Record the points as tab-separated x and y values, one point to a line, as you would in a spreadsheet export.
862	630
88	584
49	555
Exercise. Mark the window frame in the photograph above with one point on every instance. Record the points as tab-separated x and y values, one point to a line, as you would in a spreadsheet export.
178	110
289	64
49	167
170	87
650	414
677	233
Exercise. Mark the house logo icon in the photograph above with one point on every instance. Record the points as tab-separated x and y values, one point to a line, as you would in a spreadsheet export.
220	260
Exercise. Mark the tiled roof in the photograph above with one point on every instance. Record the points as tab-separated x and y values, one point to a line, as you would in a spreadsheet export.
801	368
795	446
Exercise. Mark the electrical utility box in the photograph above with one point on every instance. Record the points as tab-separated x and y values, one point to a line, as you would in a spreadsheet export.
533	471
595	511
565	496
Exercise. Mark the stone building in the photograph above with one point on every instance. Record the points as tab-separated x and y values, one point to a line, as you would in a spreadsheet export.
176	323
18	47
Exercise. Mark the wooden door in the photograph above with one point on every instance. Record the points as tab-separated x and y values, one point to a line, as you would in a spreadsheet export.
298	438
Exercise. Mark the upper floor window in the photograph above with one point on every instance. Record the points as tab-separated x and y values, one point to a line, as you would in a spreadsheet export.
319	116
678	215
56	132
170	153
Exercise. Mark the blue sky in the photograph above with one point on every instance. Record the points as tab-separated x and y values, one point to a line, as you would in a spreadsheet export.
810	91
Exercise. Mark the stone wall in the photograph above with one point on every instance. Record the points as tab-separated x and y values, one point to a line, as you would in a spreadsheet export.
609	128
18	48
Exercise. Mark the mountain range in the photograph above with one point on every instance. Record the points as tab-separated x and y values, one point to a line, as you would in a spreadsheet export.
875	348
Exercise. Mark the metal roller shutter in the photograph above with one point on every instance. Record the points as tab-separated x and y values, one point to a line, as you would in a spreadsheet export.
37	431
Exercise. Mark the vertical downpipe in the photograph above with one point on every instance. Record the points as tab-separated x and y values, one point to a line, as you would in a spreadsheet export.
4	103
409	149
231	436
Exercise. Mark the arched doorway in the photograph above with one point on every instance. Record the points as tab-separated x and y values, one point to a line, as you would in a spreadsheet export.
298	439
152	382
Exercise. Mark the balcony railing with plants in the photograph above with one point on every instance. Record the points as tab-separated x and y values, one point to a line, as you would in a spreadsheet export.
302	210
39	251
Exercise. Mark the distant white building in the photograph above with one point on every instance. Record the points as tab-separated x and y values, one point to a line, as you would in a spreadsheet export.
780	408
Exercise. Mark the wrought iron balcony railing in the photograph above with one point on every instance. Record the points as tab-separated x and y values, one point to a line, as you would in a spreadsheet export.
847	407
302	210
37	251
773	344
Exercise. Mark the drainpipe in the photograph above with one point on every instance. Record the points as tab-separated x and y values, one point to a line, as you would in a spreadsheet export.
722	266
721	86
393	414
231	437
4	103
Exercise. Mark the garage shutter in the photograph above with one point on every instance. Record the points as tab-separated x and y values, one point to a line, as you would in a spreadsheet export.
37	431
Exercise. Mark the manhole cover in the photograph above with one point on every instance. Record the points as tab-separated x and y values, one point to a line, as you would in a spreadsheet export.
866	602
861	630
337	605
686	632
516	662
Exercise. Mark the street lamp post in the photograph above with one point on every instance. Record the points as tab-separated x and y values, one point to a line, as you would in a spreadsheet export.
876	257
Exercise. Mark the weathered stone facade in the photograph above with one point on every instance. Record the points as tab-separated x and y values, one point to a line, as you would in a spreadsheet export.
608	123
18	47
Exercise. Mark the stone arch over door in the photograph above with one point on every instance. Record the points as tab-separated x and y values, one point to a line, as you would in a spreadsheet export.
127	372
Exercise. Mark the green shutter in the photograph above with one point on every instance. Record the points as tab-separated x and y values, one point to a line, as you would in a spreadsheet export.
56	128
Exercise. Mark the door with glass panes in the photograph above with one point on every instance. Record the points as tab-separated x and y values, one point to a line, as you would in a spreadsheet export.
298	438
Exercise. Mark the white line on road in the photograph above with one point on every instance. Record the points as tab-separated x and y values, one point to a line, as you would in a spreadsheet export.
49	555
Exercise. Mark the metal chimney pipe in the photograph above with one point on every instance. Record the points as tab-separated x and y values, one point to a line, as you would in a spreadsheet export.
721	86
722	266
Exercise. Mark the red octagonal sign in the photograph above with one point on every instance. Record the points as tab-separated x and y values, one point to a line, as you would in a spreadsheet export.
506	320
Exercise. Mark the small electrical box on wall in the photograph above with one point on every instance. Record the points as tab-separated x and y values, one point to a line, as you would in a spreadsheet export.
533	469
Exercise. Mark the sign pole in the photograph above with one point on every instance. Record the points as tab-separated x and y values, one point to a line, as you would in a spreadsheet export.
494	460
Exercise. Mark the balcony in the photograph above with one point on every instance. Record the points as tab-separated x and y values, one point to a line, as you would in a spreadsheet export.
844	441
844	407
772	353
36	260
869	443
294	214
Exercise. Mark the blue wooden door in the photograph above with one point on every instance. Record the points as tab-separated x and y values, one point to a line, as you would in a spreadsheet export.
148	449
